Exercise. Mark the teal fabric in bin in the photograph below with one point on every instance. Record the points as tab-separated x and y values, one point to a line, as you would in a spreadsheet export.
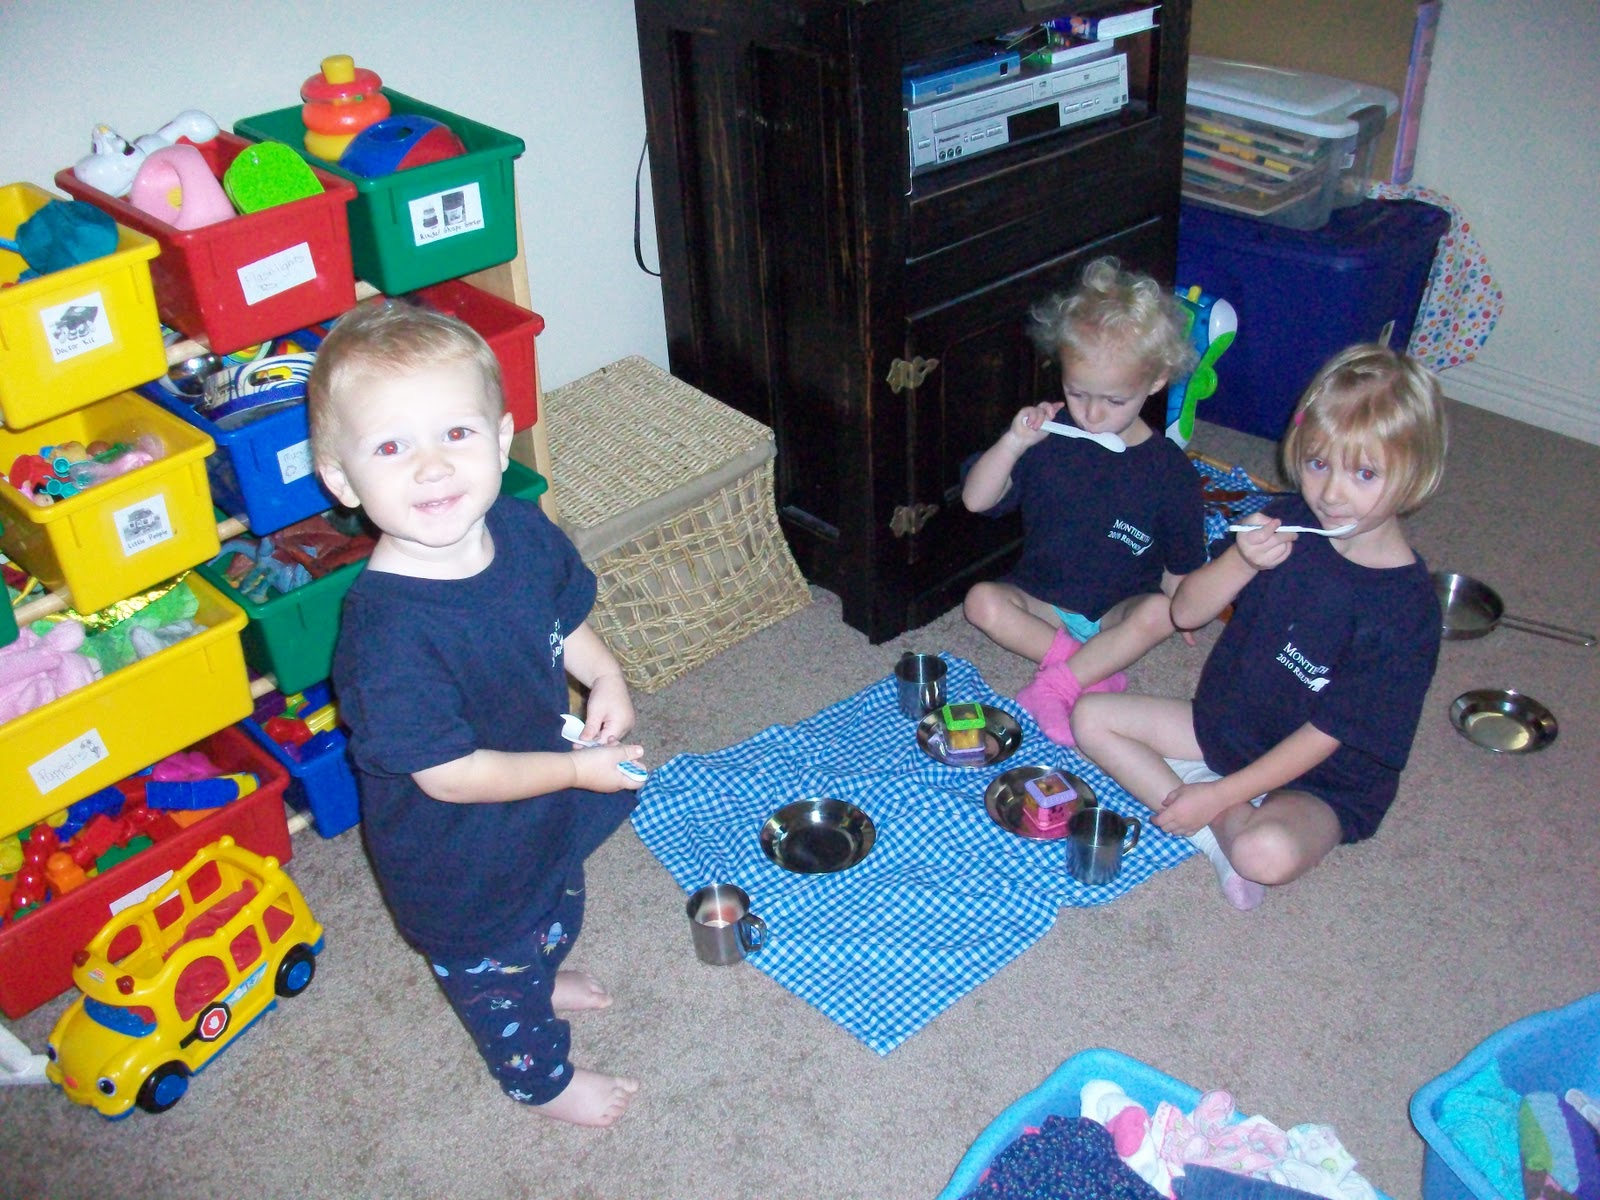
1546	1052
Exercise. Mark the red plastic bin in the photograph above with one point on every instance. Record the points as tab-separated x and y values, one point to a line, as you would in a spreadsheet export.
36	951
238	282
510	331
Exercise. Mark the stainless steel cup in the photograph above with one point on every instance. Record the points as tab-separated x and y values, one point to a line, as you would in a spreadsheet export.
1096	843
723	927
919	684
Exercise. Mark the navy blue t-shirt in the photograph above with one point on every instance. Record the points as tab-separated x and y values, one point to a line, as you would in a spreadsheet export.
1098	527
1320	639
426	672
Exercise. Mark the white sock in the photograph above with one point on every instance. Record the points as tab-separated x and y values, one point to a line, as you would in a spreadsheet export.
1242	893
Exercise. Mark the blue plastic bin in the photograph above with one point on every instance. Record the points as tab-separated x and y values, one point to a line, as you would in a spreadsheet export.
260	472
1058	1096
1546	1052
1303	295
323	785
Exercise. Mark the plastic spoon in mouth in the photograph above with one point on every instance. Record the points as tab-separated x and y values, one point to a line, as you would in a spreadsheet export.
1340	531
572	730
1109	440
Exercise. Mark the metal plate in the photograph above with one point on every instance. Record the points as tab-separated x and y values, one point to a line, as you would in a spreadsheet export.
1004	796
817	836
1001	737
1503	720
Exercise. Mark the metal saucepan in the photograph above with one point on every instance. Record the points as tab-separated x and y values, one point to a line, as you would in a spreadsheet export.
1472	609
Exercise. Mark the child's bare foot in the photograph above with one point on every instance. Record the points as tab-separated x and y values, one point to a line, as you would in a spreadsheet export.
591	1099
576	991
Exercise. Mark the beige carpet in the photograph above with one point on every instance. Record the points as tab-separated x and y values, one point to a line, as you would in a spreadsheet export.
1473	906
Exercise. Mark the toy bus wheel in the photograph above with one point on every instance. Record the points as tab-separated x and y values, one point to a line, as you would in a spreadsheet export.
164	1088
295	971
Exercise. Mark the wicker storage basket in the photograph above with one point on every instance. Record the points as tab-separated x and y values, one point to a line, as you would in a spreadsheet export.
667	495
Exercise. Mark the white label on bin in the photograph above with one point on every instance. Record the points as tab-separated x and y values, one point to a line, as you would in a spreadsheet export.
76	327
73	759
142	525
138	893
294	462
445	214
266	277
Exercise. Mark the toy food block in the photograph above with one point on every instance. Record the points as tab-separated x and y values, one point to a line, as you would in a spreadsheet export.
510	331
423	224
1049	802
36	950
963	732
248	278
95	735
119	535
75	335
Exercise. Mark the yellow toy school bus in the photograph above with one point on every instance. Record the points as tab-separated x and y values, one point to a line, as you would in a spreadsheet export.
171	981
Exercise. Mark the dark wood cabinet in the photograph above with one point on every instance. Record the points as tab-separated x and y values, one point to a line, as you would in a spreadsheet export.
875	319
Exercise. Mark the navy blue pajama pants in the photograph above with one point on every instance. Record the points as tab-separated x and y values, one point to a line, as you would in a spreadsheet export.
503	998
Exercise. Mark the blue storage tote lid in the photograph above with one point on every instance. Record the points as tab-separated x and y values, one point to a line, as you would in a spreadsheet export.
1365	236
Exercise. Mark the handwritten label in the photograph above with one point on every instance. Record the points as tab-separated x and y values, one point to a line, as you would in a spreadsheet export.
138	893
446	214
73	759
142	525
267	277
294	462
76	327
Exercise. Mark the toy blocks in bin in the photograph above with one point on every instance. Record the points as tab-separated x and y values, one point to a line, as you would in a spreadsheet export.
120	535
1551	1051
510	331
240	281
76	335
321	781
95	735
36	949
261	471
424	224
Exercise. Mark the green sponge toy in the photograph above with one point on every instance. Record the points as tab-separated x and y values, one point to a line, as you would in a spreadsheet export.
268	174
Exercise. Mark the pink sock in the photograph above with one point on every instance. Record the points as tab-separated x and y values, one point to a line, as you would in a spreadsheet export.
1049	699
1062	648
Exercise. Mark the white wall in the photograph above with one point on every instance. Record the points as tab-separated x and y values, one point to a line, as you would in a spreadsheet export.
563	75
1511	132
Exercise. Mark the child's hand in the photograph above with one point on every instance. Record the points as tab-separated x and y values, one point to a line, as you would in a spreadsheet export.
609	714
1027	425
1190	807
1265	549
596	770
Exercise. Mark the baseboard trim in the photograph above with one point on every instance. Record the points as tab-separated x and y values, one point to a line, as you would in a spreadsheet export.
1529	400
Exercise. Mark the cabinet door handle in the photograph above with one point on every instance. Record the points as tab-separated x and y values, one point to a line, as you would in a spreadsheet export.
904	375
909	519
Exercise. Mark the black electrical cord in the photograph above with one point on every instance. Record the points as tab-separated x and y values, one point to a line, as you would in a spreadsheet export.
638	181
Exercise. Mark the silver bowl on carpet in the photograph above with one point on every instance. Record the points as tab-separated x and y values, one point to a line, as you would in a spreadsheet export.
1503	720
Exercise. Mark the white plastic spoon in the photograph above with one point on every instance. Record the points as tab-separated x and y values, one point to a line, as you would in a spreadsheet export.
1339	532
1109	440
572	730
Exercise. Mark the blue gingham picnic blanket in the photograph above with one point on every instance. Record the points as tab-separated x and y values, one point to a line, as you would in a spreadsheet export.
944	899
1230	494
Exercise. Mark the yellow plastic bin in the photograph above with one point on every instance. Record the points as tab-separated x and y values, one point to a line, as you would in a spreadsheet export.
121	535
74	336
96	735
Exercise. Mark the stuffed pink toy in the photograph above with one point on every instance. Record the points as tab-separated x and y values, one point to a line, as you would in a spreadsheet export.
35	670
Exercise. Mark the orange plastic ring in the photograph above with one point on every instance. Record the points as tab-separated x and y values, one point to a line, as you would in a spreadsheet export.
345	116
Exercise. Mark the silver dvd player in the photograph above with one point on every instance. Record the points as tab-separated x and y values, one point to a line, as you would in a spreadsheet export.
946	131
